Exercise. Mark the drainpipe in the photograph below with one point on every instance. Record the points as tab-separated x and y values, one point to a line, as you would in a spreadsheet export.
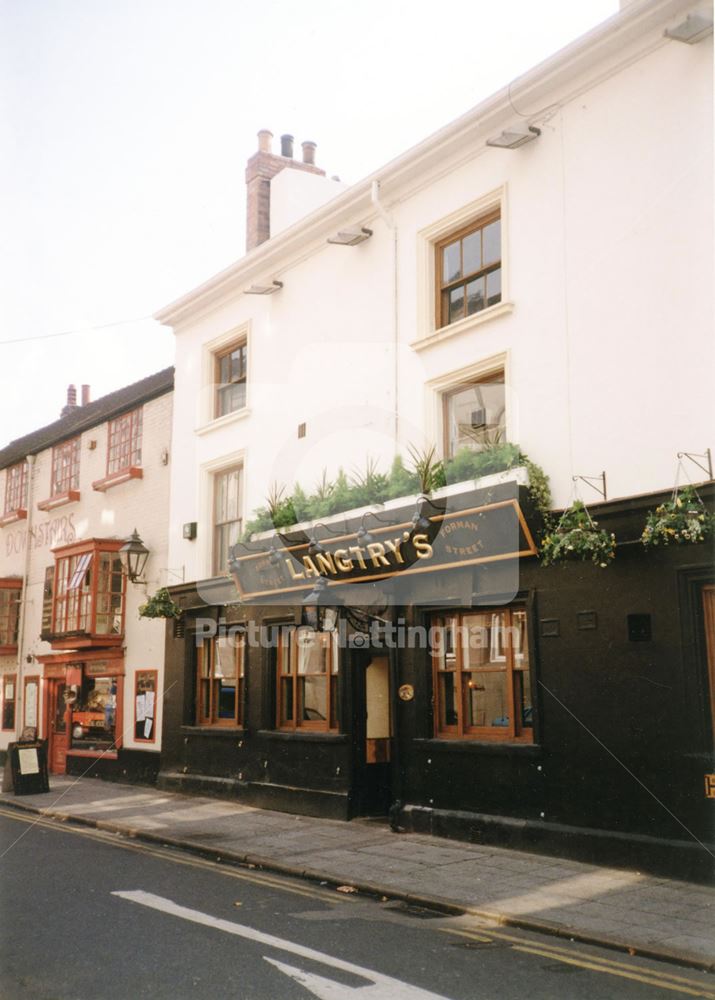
395	760
20	694
389	221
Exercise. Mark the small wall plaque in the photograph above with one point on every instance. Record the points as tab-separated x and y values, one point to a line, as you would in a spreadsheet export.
586	620
710	786
406	692
550	628
189	531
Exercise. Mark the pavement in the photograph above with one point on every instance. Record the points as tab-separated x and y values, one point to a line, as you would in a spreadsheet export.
628	910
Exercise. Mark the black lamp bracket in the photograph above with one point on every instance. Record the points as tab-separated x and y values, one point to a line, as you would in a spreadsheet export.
694	456
597	483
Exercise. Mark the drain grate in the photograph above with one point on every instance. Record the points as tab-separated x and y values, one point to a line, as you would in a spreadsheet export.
419	912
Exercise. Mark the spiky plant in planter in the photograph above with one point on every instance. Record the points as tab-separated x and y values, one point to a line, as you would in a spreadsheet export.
576	536
160	606
682	520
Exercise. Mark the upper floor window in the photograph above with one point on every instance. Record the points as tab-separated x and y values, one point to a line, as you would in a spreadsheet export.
474	414
10	595
468	270
16	488
220	679
65	467
230	378
124	450
482	681
227	490
307	678
89	590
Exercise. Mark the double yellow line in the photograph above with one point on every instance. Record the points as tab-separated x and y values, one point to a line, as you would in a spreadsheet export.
594	963
258	878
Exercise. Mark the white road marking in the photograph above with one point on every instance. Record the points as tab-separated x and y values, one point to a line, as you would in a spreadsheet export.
378	987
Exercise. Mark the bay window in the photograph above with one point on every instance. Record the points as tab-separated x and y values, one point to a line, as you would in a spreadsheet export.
481	676
88	595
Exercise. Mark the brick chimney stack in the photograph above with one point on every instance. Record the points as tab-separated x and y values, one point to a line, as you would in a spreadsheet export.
260	170
85	395
71	403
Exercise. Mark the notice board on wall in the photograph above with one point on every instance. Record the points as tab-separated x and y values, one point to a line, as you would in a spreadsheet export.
28	766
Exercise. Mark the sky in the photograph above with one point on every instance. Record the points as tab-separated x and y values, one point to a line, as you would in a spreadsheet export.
125	126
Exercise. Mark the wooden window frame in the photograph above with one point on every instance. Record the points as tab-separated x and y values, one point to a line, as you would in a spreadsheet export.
516	731
131	463
64	479
8	628
155	681
82	610
8	679
215	523
218	357
442	288
206	678
486	379
287	647
16	493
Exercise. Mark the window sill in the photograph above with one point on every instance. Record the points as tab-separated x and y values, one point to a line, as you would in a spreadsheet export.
463	325
227	418
96	754
14	515
71	496
498	748
117	478
8	650
232	731
309	736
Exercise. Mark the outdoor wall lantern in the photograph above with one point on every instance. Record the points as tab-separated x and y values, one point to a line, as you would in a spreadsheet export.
364	537
134	555
517	135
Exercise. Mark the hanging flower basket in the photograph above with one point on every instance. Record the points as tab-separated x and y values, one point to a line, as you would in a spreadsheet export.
578	537
160	606
681	520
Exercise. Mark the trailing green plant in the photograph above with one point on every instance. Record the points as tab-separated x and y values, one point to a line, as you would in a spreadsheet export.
160	605
682	520
576	536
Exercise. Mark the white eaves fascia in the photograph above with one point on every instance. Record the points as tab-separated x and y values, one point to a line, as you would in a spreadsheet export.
598	52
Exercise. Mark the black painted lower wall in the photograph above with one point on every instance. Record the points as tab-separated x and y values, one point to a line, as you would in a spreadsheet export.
623	731
133	766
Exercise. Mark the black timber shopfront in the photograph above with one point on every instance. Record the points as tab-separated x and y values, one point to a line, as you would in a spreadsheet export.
579	723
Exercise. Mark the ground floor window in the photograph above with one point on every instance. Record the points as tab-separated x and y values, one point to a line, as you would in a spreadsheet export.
8	701
220	679
482	678
307	679
94	713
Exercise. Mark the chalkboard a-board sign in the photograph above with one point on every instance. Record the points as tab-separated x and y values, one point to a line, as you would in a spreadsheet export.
28	763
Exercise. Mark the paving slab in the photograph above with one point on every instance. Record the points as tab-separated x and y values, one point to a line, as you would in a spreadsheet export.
650	915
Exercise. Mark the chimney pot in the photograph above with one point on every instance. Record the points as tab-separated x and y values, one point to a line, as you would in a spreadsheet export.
85	395
309	152
287	146
265	141
71	395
